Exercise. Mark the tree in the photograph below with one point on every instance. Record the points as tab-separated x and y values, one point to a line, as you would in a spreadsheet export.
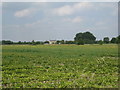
19	42
106	39
80	42
46	42
113	40
38	42
7	42
86	37
69	42
24	42
62	41
33	42
118	39
0	42
100	42
58	42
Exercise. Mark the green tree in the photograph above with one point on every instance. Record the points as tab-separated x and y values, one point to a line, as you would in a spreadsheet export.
113	40
19	42
100	42
118	39
7	42
58	42
62	42
46	42
86	37
33	42
106	39
69	42
37	42
80	42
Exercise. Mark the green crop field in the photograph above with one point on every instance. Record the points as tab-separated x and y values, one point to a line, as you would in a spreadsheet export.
60	66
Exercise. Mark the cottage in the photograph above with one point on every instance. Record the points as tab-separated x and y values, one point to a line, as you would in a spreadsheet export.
52	42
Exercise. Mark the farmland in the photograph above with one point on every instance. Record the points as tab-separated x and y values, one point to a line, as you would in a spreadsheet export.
60	66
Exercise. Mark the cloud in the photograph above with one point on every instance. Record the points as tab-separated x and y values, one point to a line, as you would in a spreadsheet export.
37	23
65	10
24	12
73	20
34	7
82	5
70	9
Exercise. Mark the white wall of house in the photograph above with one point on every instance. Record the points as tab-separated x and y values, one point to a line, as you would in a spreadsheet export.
52	42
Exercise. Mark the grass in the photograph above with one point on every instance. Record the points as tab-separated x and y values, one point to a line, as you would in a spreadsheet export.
60	66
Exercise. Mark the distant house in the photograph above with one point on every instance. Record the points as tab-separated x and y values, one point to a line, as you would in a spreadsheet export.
52	42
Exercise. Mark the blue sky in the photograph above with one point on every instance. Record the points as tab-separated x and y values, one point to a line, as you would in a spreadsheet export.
27	21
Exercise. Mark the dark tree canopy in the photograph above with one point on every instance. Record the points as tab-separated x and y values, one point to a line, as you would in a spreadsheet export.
113	40
7	42
86	37
46	42
100	42
106	39
118	39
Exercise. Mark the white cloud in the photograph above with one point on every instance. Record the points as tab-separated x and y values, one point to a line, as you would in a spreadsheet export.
24	12
70	9
73	20
65	10
35	6
82	5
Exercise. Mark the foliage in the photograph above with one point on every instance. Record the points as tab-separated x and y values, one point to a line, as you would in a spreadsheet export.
118	39
100	42
80	42
46	42
7	42
62	41
80	39
106	39
33	42
60	66
58	42
113	40
69	42
86	37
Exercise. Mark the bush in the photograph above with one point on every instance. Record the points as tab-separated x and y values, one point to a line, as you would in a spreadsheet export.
100	42
81	42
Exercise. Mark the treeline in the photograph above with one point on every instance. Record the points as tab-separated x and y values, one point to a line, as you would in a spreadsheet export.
8	42
106	40
80	39
89	38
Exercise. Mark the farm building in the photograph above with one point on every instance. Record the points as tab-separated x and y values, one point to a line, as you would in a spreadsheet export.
52	42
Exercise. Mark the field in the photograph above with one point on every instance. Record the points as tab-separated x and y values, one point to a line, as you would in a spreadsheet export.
60	66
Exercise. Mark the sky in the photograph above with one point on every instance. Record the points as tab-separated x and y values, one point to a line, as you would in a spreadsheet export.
40	21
